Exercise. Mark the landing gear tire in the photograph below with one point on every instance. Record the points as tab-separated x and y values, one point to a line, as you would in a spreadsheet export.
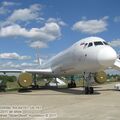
72	85
89	90
69	85
35	86
86	90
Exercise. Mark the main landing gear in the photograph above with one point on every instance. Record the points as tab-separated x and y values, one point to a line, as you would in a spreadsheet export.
88	89
35	85
72	83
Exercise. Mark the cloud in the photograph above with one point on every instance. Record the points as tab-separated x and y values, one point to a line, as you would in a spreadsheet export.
38	37
26	14
117	19
26	65
9	65
49	32
115	43
91	26
38	44
12	65
13	56
3	10
6	3
4	7
58	21
12	30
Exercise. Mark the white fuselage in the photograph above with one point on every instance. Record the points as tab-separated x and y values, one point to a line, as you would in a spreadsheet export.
91	54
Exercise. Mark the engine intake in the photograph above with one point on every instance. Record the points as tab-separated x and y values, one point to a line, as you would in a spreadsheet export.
25	80
100	77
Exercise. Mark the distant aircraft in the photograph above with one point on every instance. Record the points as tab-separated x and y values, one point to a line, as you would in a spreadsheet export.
90	56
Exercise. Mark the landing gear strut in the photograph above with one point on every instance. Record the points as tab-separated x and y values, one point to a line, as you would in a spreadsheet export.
72	83
35	86
88	89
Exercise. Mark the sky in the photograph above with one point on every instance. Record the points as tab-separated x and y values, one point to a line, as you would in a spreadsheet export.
50	26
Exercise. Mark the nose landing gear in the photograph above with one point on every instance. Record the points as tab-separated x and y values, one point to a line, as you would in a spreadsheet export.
72	83
88	89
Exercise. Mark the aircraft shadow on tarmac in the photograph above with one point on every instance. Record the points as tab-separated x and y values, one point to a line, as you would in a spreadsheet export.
75	91
105	90
62	90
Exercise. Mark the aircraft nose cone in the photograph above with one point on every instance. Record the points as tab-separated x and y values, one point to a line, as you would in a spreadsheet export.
107	57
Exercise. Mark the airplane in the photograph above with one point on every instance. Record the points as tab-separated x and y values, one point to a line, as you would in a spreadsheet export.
89	56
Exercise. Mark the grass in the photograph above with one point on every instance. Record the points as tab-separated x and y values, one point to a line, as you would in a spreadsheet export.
12	86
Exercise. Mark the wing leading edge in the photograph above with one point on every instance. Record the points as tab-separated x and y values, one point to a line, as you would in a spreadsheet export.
39	71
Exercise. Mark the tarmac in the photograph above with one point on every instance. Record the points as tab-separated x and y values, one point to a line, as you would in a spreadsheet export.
61	104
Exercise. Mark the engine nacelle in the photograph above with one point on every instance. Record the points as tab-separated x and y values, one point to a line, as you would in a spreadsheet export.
25	80
100	77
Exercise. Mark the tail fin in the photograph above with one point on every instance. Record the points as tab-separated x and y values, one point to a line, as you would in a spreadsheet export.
39	61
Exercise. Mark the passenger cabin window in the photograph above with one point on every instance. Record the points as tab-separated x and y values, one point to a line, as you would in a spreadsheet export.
98	43
90	44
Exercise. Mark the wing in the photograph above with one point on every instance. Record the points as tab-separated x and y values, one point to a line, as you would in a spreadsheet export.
117	64
38	71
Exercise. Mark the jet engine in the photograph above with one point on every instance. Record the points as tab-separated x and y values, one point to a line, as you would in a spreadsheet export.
25	80
100	77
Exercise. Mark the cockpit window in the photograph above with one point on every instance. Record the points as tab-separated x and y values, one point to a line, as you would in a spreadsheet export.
85	45
105	43
98	43
82	43
90	44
